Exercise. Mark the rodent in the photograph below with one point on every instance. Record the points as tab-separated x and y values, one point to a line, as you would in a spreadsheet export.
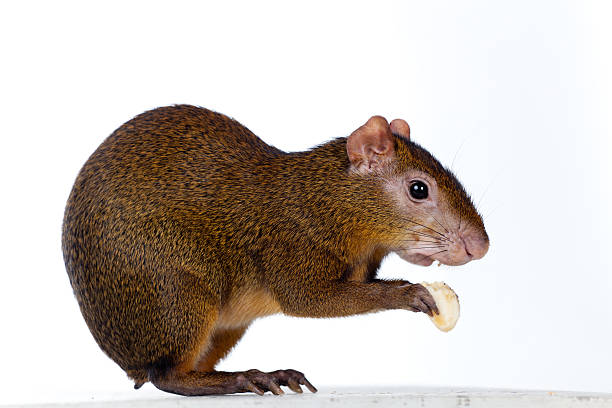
183	227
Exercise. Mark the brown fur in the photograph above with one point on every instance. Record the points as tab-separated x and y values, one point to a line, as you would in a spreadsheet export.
183	227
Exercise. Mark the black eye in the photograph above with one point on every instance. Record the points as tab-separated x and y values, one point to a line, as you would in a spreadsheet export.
418	190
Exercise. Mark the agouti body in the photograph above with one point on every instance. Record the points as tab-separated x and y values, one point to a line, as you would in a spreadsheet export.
183	227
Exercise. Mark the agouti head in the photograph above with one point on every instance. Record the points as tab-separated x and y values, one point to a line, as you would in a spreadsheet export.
435	218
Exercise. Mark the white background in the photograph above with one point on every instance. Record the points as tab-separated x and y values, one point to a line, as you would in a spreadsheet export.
518	94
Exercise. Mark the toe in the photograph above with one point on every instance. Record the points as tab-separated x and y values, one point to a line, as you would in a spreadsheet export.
253	388
294	386
308	385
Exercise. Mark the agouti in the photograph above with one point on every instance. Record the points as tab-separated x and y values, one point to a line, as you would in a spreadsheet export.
183	227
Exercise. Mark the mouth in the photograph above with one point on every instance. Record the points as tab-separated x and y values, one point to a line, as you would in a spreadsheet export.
416	258
425	259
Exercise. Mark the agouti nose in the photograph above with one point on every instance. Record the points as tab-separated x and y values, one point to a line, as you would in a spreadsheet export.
476	245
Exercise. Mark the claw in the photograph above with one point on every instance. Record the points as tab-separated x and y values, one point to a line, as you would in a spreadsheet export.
431	304
421	300
274	387
309	385
422	307
291	379
253	388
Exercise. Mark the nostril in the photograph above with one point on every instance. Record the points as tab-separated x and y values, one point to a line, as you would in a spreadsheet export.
475	247
466	248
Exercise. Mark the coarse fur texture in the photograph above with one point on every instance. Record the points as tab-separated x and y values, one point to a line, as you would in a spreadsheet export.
183	227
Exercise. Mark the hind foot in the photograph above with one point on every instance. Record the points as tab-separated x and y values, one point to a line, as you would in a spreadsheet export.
218	382
271	381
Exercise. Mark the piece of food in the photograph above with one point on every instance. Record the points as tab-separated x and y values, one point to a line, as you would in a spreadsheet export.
447	302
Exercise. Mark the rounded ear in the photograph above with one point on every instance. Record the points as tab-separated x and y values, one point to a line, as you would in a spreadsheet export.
400	127
371	146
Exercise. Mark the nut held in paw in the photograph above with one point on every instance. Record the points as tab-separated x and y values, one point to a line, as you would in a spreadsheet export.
447	303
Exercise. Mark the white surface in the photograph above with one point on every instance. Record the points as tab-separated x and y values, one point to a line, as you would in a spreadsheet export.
362	397
517	95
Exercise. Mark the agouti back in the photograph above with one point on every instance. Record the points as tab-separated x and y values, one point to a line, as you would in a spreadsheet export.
183	227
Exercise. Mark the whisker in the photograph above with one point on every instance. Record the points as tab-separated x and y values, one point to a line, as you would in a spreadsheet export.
417	242
424	226
488	186
447	231
491	212
437	253
427	235
445	219
420	240
426	247
457	152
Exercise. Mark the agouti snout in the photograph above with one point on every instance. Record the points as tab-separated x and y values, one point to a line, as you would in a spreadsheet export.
183	227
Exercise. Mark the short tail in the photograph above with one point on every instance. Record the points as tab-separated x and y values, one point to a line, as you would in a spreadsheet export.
140	377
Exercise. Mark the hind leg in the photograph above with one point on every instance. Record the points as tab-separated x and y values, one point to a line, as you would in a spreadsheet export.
224	340
220	345
203	380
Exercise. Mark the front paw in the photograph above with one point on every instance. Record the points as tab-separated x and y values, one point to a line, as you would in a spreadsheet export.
416	297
